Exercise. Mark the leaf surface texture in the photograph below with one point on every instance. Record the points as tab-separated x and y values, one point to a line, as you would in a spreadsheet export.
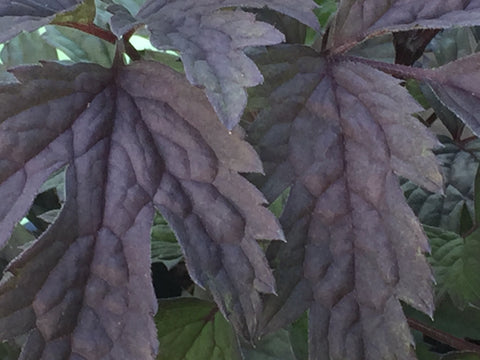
354	248
133	138
357	19
211	40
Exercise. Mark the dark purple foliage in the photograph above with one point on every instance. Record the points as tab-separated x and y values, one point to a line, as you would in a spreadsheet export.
27	15
132	138
335	130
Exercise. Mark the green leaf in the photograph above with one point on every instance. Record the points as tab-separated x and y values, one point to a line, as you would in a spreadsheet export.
275	346
8	351
17	243
277	206
459	164
27	48
83	14
165	248
194	329
165	58
456	262
450	319
463	355
79	46
325	10
477	196
299	337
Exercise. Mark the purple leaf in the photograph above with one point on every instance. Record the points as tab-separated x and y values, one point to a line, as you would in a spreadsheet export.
211	43
133	138
28	15
357	20
354	247
457	85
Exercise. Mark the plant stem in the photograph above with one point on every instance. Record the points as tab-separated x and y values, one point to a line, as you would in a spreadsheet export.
91	29
443	337
129	48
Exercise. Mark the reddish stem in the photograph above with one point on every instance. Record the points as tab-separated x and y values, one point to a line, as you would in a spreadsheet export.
443	337
397	70
91	29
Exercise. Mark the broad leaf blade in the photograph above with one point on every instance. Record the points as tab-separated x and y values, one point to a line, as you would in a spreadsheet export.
211	43
354	247
357	20
133	138
193	329
28	15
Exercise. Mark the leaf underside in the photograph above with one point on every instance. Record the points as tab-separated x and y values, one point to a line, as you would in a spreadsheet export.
133	138
331	131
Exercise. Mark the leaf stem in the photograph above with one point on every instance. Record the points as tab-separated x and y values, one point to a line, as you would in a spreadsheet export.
443	337
397	70
129	48
91	29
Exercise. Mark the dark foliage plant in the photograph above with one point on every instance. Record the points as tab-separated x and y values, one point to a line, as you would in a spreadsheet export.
98	153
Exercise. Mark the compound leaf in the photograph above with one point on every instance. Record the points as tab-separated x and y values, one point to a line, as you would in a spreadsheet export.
211	40
327	128
132	137
357	20
28	15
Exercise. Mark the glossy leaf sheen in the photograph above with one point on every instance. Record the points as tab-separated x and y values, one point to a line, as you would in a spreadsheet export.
28	15
357	19
332	131
133	138
211	43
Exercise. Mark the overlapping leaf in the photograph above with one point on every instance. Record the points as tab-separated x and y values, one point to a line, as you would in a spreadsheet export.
79	46
459	163
456	264
211	43
193	329
28	15
26	48
457	84
331	130
356	19
133	138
